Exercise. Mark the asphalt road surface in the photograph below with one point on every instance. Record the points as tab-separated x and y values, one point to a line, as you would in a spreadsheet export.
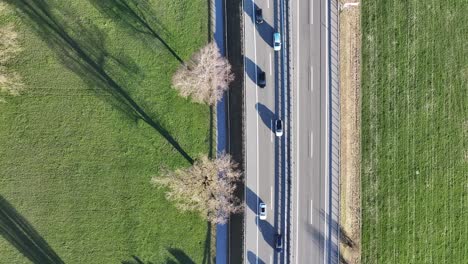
262	146
309	106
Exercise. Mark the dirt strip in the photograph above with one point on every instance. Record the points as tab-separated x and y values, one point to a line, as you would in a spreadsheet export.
350	185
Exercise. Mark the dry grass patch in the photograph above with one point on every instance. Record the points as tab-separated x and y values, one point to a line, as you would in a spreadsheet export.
350	50
10	82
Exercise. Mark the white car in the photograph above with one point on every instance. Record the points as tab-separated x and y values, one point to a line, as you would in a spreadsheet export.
262	211
279	128
276	41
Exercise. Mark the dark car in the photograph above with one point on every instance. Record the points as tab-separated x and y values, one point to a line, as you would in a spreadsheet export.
261	80
279	243
258	16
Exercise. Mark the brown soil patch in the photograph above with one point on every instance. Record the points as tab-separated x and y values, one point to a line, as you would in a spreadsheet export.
350	186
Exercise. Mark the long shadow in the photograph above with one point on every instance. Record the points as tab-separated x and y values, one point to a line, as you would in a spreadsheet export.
252	258
266	115
15	229
180	256
265	30
252	70
136	15
207	249
136	260
84	56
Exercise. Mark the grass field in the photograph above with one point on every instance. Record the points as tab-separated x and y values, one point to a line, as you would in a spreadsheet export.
97	120
415	131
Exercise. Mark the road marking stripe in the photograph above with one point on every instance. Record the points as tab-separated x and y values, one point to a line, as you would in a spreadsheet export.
271	197
271	68
257	128
311	212
311	140
311	12
297	136
311	79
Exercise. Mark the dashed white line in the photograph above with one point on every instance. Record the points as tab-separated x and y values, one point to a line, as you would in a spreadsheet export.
271	68
271	131
311	79
311	145
271	197
311	212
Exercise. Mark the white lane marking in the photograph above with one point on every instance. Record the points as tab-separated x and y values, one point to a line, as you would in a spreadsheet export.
311	145
271	197
311	12
311	79
297	137
326	224
268	3
271	131
311	212
271	68
271	259
256	103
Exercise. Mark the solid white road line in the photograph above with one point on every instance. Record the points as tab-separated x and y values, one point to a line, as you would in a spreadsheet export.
311	12
256	103
326	238
297	135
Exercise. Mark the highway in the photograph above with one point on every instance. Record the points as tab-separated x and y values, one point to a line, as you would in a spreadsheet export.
309	104
261	144
310	234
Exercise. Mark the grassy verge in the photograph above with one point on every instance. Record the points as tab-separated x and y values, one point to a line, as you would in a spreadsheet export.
414	131
97	120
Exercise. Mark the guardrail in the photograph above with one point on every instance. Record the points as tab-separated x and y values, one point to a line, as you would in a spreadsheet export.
284	25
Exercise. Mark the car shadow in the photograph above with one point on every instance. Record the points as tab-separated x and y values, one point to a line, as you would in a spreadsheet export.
265	30
266	229
266	115
252	258
252	70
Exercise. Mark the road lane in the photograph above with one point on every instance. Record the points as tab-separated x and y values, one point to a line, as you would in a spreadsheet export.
309	104
260	106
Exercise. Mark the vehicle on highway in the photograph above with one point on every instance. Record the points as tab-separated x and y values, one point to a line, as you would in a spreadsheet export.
262	211
276	41
261	79
279	243
279	128
258	15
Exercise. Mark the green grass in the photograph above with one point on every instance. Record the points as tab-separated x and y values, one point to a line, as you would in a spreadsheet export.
415	131
75	158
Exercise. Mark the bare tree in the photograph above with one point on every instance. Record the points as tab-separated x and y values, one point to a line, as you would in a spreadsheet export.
10	82
207	187
205	77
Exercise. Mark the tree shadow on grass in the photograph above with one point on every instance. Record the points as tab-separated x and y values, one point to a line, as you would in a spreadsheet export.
81	49
135	260
180	256
138	16
15	229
